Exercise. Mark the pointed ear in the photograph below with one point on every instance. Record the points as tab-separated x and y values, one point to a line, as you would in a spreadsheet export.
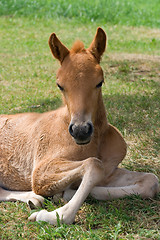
98	44
58	50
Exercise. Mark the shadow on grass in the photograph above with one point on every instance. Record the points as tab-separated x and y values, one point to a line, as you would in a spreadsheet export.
43	105
133	112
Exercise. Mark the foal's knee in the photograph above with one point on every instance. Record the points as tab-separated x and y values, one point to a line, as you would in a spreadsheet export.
149	185
95	167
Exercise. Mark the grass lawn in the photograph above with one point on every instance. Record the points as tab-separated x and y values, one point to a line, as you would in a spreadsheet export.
131	94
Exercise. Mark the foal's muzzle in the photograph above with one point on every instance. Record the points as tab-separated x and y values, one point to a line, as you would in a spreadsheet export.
81	132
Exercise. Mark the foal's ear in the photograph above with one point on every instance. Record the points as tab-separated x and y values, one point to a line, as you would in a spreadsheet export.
58	50
98	44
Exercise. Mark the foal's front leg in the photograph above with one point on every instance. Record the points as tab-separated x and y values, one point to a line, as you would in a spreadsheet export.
90	171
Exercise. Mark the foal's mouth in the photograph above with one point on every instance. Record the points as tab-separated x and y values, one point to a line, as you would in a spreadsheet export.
79	142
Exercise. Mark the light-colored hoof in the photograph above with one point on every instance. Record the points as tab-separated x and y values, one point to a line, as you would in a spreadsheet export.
35	202
42	215
33	216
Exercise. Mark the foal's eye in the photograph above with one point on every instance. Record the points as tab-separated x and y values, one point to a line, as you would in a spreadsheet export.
61	88
99	84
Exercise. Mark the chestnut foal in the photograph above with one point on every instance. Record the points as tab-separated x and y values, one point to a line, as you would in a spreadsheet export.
72	150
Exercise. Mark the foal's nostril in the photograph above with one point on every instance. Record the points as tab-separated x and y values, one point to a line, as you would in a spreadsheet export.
90	128
71	129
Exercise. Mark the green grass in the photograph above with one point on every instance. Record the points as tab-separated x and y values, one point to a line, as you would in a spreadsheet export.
129	218
126	12
131	96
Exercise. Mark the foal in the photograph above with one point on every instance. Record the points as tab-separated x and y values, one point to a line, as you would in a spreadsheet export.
72	150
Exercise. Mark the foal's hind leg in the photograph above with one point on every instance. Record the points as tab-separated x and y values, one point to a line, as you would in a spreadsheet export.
124	183
31	198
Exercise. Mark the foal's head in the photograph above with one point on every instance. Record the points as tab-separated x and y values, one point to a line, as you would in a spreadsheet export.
80	78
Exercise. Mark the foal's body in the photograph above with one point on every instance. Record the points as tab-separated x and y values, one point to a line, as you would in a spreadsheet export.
39	155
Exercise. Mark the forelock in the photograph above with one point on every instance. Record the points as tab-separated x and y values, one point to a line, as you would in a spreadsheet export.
77	47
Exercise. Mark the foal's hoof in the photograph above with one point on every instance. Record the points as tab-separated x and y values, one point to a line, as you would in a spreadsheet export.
34	203
33	216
